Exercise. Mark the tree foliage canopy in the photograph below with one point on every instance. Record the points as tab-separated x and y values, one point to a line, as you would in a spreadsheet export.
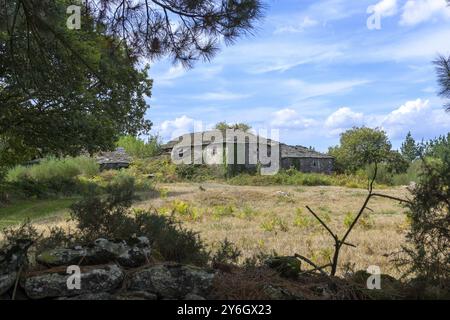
62	99
430	216
409	148
63	91
443	72
223	126
360	147
139	148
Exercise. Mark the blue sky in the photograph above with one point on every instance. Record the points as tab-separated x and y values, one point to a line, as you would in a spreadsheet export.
313	69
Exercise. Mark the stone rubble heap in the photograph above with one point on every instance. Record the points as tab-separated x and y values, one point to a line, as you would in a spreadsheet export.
110	270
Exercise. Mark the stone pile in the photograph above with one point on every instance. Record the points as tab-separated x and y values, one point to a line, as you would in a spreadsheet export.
109	270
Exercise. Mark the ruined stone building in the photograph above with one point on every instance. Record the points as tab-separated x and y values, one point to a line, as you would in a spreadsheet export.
246	151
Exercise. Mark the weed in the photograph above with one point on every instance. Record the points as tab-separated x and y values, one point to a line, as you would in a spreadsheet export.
247	213
365	221
227	253
274	225
302	220
224	211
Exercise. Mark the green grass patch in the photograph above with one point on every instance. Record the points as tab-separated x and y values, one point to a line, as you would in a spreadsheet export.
34	210
297	178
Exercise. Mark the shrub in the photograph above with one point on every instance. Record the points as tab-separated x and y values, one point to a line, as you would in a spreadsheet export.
138	148
297	178
247	213
171	240
224	211
429	214
52	175
227	253
365	221
184	210
301	220
161	167
111	217
274	225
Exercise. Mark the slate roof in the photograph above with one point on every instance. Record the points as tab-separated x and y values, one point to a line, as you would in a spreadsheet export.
287	151
301	152
205	138
119	156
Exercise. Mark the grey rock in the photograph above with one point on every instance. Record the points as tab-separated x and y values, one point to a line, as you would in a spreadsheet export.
278	293
136	295
173	281
100	252
191	296
128	295
90	296
95	279
7	281
12	258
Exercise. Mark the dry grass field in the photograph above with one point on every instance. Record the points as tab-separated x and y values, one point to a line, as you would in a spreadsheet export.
275	218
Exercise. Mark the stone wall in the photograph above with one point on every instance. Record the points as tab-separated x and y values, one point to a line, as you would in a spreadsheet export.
309	165
109	270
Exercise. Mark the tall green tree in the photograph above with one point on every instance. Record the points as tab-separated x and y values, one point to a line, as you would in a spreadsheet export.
139	148
409	148
186	30
443	73
360	147
429	236
63	91
237	126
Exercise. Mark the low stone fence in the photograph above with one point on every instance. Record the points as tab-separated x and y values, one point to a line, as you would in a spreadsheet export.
104	270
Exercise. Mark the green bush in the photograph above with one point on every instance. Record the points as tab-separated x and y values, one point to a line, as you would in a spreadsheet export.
109	216
112	218
52	175
429	214
138	148
227	253
295	177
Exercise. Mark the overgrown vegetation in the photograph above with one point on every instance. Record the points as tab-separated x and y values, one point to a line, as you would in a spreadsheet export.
138	148
111	217
429	236
65	176
358	145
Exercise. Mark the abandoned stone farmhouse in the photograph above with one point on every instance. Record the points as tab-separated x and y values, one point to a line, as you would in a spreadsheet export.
246	150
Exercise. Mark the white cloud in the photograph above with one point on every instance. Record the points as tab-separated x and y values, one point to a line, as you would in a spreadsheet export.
386	8
168	77
306	90
289	118
429	89
416	116
420	45
344	118
278	54
411	115
307	22
418	11
219	96
171	129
